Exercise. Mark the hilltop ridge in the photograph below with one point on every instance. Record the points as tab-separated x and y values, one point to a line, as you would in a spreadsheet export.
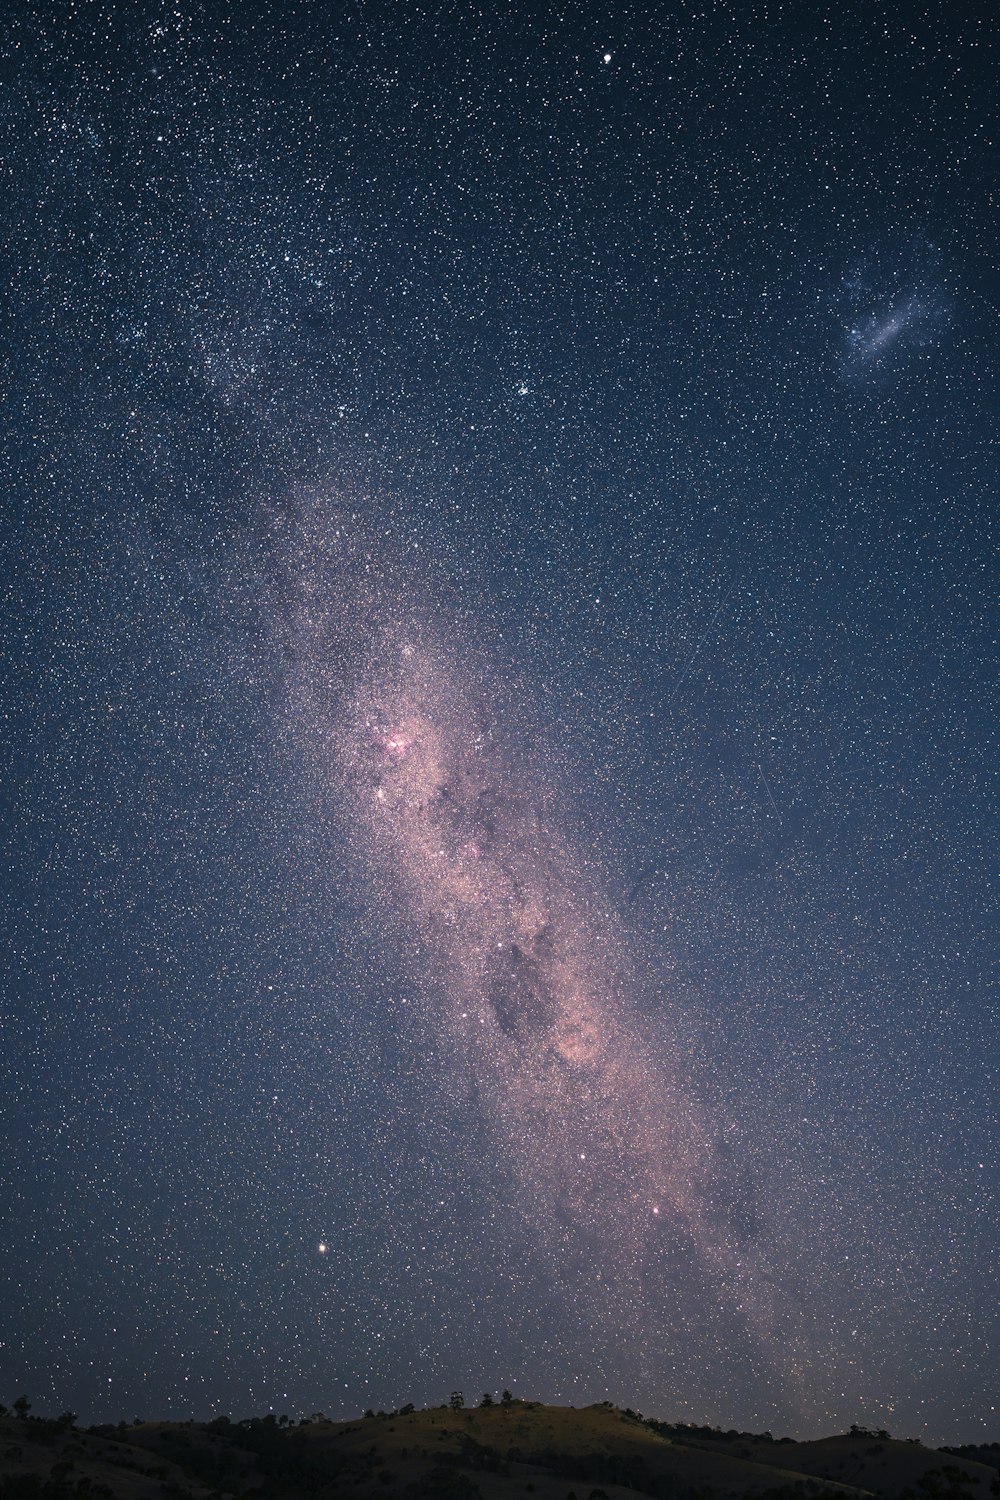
496	1451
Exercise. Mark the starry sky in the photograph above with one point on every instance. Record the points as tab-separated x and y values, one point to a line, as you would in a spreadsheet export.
498	687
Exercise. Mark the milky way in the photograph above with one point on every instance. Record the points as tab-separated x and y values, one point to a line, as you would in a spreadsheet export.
427	752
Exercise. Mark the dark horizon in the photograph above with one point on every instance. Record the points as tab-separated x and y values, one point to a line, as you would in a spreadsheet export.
498	1398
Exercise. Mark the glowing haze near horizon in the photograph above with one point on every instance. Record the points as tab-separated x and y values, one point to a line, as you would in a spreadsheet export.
498	726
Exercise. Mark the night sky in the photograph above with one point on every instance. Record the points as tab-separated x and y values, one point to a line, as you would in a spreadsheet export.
498	687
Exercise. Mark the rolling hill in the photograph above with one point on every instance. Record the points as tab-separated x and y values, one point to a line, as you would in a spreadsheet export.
497	1452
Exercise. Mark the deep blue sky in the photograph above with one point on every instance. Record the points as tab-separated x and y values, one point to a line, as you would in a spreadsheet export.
644	361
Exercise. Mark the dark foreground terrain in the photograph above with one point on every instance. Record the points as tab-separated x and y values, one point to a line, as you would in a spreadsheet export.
496	1452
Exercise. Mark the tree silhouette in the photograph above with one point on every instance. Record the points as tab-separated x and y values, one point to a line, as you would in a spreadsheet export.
457	1401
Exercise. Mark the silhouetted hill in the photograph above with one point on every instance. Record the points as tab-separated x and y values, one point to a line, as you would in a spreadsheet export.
980	1453
496	1452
